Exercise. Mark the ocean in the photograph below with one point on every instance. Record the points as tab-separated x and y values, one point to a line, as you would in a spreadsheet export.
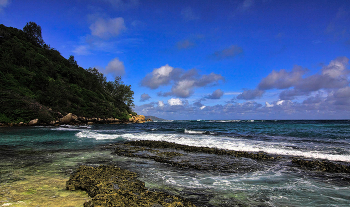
37	161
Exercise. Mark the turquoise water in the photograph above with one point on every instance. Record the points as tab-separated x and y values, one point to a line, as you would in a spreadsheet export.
57	151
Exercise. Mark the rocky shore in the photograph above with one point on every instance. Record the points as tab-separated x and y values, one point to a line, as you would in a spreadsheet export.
72	119
113	186
109	185
206	158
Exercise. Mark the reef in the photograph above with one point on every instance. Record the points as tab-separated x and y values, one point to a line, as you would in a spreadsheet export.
207	150
322	165
112	186
190	157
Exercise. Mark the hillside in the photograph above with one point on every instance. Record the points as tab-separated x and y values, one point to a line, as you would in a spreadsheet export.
153	118
36	81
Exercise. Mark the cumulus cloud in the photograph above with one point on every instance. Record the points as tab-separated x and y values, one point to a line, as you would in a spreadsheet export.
160	103
158	77
115	67
183	88
282	79
217	94
175	102
227	53
145	97
315	107
251	94
183	82
268	105
335	75
188	14
325	95
341	97
106	28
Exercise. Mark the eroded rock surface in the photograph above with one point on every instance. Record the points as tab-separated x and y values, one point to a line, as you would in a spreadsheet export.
112	186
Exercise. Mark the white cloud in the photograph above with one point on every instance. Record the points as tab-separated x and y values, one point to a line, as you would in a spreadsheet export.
82	50
184	82
335	106
336	68
333	76
282	79
160	103
175	102
115	67
280	102
159	76
106	28
268	105
183	88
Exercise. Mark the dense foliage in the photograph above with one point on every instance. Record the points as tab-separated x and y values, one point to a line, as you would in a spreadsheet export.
37	82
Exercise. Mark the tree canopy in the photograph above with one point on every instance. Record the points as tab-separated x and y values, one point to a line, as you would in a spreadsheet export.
37	82
33	32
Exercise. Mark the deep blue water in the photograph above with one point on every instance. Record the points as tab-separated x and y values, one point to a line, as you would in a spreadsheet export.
276	185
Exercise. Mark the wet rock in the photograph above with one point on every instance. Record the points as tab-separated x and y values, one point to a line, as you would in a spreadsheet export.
113	186
323	165
208	150
188	160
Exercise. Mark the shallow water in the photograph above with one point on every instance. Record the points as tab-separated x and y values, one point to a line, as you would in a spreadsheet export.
36	162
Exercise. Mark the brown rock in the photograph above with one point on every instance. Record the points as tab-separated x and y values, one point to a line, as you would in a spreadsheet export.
139	119
67	118
110	120
33	122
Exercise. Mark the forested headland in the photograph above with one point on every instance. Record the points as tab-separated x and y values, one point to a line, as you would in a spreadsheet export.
37	82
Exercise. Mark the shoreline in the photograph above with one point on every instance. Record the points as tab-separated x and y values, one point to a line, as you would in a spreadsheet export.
207	176
71	119
99	183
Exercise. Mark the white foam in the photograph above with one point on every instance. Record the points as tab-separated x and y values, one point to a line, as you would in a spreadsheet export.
70	128
95	135
193	132
236	144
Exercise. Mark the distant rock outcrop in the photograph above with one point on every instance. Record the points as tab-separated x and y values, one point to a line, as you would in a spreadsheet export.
33	122
137	119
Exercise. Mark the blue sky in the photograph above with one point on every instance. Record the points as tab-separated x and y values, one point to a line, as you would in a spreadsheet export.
206	59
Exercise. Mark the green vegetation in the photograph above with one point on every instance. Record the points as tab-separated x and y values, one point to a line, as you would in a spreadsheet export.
37	82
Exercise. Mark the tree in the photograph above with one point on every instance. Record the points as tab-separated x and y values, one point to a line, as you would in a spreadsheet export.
72	61
33	32
121	93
